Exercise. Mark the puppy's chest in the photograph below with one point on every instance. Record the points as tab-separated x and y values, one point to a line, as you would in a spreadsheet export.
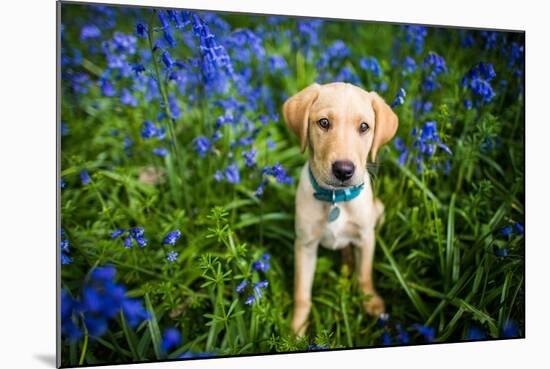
341	232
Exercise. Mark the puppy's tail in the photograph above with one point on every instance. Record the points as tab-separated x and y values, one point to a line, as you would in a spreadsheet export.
379	211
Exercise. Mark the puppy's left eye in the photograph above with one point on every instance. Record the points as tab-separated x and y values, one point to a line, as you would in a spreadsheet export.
363	127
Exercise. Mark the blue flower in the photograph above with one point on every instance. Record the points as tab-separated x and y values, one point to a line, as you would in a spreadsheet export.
371	64
172	256
510	329
62	183
141	30
232	174
249	300
127	242
89	31
519	228
242	286
167	59
262	264
415	35
127	98
160	151
399	98
172	237
100	301
65	250
316	347
477	80
107	88
506	231
475	334
427	332
218	176
85	177
386	338
501	252
117	233
250	157
408	66
171	338
202	145
402	334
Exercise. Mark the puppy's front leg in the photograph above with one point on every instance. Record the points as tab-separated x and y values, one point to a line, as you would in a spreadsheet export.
305	254
364	256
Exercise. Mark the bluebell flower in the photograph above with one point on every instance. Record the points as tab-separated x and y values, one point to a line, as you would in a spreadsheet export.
371	64
427	332
141	241
316	347
171	338
218	176
65	250
127	242
100	301
261	265
107	88
172	237
232	174
402	334
64	129
434	64
85	177
172	256
202	145
510	329
408	66
127	98
239	289
260	189
506	231
160	151
477	80
62	183
249	300
117	233
399	98
519	228
250	157
386	338
270	144
277	63
141	30
167	59
148	129
491	39
474	334
89	31
415	35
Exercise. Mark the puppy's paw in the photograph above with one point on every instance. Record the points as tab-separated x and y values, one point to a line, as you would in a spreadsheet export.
299	326
375	305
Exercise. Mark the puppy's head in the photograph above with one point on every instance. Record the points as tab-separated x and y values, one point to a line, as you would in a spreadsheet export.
341	123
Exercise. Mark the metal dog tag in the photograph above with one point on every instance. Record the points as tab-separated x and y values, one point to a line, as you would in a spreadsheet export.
333	213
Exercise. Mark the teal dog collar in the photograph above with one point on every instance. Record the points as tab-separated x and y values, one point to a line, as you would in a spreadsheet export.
334	196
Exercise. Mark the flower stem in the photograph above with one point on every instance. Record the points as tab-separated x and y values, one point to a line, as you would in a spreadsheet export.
168	113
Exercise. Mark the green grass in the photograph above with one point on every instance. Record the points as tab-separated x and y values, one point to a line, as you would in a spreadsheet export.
435	262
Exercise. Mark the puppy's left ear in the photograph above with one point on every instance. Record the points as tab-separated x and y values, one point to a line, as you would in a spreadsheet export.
385	124
296	112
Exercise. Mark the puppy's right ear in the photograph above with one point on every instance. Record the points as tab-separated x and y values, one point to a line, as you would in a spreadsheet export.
296	112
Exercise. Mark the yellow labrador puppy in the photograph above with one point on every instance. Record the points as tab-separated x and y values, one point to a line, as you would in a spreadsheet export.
335	206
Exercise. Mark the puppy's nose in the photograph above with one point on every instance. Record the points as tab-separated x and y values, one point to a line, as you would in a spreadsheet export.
343	169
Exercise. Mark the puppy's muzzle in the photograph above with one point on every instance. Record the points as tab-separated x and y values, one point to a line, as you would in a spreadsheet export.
343	170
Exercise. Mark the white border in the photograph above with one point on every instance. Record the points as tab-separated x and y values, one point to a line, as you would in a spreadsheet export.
27	148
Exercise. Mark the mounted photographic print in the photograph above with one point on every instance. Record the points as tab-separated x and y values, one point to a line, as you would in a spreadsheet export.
239	184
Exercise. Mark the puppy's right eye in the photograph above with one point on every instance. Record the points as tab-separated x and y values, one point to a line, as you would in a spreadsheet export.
324	123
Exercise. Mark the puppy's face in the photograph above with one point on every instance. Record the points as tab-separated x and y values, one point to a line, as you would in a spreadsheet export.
341	124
